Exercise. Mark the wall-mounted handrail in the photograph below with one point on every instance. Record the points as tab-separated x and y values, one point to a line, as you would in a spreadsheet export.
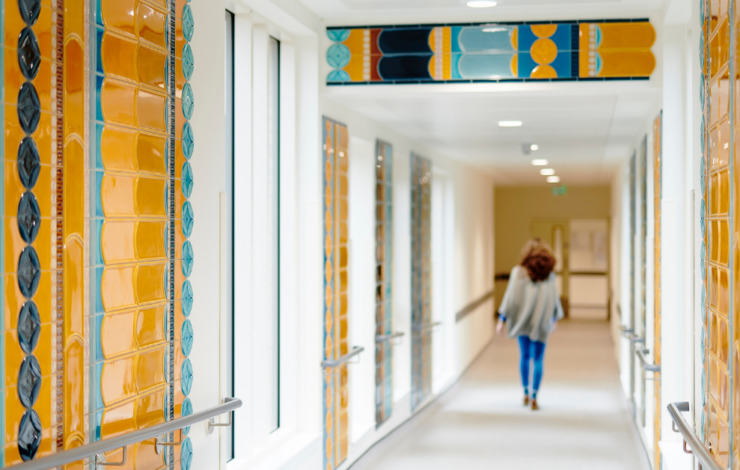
627	332
425	328
342	360
648	366
689	437
392	336
92	450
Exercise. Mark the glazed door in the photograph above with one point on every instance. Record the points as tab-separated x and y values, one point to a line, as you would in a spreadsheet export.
336	298
656	343
421	277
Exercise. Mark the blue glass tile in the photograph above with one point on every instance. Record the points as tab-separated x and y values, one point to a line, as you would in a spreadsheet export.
29	163
338	56
29	327
188	140
338	76
29	381
29	108
99	43
97	325
186	410
187	259
98	13
187	298
98	279
187	180
29	272
29	217
187	377
702	139
455	32
30	10
562	37
29	435
525	65
188	219
188	24
404	41
188	61
188	102
98	105
337	35
410	67
186	455
29	55
489	38
701	91
187	337
473	66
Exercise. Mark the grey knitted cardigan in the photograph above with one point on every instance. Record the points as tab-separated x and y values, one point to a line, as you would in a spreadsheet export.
531	308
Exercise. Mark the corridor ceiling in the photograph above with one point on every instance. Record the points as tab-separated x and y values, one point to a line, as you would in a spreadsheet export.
584	129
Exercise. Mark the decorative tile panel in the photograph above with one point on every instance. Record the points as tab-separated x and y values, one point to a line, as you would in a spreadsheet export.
657	250
491	52
95	338
383	281
421	279
717	220
336	269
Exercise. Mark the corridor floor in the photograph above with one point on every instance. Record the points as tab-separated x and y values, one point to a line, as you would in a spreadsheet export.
481	423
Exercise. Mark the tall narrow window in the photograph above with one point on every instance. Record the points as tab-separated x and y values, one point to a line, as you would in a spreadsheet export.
274	149
229	157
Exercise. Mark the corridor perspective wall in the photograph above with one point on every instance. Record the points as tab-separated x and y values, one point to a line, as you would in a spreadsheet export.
96	178
720	336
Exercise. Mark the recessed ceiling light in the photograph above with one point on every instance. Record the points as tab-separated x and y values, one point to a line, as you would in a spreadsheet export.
539	162
534	147
510	124
553	179
547	172
481	4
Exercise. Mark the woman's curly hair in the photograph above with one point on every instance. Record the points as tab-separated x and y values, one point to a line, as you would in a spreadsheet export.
537	259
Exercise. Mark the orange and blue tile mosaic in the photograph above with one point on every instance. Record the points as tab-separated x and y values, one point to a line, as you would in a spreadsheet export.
485	52
95	336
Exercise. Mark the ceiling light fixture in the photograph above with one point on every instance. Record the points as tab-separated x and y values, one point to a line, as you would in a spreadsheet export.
534	147
481	4
553	179
547	172
539	162
510	124
494	29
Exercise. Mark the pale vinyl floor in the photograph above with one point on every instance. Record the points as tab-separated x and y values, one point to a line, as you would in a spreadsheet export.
481	423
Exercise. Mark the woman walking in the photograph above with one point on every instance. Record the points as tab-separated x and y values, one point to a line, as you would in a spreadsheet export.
530	307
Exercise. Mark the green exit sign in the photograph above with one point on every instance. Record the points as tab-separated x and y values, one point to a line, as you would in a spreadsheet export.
559	190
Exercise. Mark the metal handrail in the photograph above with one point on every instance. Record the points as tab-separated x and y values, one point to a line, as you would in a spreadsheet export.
648	366
338	362
385	338
423	328
92	450
689	437
626	332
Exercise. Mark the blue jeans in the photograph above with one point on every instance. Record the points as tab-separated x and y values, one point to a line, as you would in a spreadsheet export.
531	351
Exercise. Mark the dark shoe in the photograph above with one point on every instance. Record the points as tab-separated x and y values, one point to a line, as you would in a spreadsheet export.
535	407
526	400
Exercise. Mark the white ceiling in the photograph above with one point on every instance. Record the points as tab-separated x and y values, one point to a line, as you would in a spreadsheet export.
584	129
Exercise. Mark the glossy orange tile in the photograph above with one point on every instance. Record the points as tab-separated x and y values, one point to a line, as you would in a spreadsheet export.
150	326
74	392
150	110
118	381
151	67
117	334
151	25
74	194
146	455
118	56
117	242
74	20
150	154
119	15
117	195
150	281
13	244
150	197
117	148
118	102
74	287
150	369
14	24
117	288
149	410
150	242
118	420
